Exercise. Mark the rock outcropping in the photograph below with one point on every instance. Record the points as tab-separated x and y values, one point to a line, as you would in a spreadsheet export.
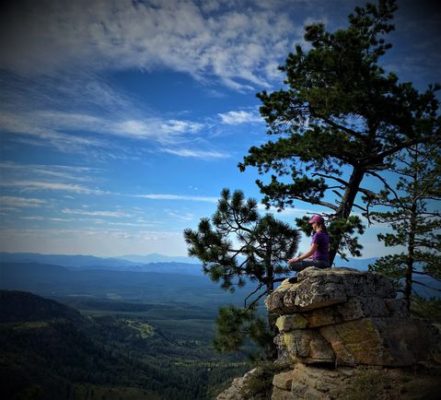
344	334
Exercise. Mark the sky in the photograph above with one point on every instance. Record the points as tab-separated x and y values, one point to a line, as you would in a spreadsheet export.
121	121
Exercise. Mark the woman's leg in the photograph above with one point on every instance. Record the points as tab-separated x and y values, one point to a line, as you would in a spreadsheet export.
301	265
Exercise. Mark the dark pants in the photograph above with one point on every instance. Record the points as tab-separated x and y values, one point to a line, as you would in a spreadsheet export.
301	265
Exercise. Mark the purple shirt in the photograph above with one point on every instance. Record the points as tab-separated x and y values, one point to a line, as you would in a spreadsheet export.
322	241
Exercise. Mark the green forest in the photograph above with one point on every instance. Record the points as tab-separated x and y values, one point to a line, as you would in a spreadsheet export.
110	350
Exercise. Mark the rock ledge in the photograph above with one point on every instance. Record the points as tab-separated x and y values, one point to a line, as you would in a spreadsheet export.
341	327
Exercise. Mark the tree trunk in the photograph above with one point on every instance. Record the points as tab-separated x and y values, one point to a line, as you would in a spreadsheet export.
412	233
410	256
344	211
271	350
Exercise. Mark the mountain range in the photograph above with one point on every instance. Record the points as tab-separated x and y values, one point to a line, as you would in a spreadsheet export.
103	272
136	262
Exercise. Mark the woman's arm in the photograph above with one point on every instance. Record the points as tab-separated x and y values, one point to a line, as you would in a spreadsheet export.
308	254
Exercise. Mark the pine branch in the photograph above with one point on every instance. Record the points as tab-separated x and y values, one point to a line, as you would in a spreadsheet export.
339	180
252	293
256	300
386	185
316	202
349	131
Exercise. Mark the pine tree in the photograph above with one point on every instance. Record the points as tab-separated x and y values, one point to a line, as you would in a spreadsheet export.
236	247
415	218
340	119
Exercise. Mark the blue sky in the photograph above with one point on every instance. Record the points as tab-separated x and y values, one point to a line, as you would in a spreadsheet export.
121	121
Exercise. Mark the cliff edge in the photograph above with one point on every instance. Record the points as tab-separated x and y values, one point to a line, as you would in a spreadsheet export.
344	334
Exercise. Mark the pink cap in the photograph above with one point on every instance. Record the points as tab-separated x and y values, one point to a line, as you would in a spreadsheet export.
316	218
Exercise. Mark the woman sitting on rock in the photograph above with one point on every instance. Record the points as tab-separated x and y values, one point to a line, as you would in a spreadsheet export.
319	248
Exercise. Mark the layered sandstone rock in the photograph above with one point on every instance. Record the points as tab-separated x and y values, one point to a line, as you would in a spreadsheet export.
341	330
346	317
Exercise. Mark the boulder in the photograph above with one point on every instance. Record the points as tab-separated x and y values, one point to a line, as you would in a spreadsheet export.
390	342
318	288
283	380
354	308
239	389
312	383
307	346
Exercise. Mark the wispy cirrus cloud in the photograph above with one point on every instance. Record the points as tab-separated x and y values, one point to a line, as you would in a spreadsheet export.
26	125
111	214
20	202
192	153
71	179
238	44
29	185
10	170
53	125
161	196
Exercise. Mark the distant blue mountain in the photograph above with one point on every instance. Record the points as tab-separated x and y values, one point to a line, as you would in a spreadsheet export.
51	273
72	261
361	264
158	258
112	264
152	287
147	263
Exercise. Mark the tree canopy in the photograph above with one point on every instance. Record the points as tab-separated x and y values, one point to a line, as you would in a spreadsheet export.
339	119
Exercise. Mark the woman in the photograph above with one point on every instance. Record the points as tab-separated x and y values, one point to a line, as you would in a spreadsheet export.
319	249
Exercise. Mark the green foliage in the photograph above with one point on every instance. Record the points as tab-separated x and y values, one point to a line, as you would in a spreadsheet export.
427	308
340	118
238	245
413	213
234	325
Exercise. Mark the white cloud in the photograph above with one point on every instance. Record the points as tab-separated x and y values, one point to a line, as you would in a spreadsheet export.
60	129
28	125
181	216
66	172
111	214
33	218
27	185
239	117
178	197
20	202
234	42
196	153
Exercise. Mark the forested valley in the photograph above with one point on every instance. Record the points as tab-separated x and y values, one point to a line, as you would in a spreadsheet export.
77	345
